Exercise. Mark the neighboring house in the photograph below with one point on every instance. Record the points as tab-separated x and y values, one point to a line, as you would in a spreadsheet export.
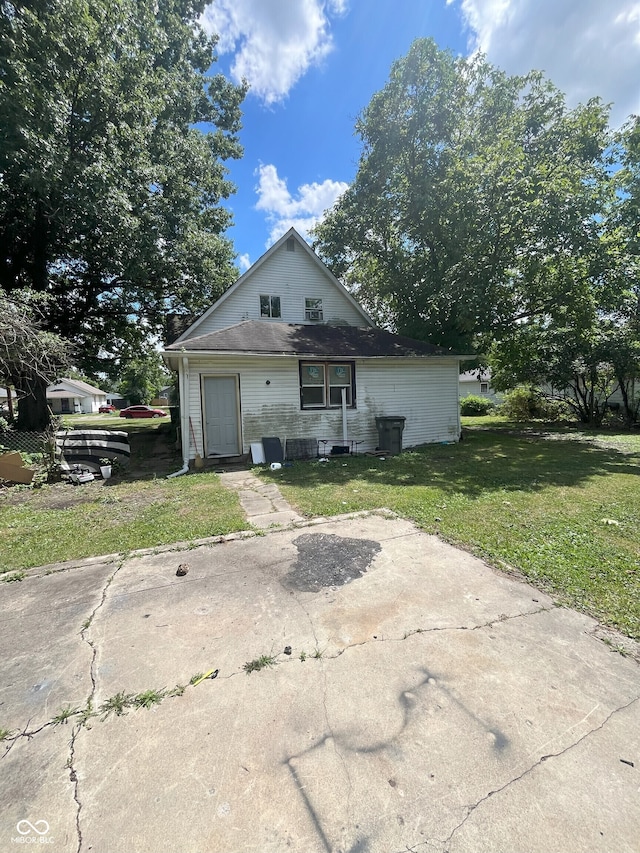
72	396
116	400
288	352
478	383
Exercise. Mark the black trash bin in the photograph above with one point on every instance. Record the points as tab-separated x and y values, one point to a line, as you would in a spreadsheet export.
390	431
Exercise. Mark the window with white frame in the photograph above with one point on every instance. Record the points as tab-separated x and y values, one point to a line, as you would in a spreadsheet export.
313	310
269	306
322	384
484	387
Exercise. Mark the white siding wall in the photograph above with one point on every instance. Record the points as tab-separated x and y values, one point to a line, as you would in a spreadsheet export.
292	276
468	388
425	392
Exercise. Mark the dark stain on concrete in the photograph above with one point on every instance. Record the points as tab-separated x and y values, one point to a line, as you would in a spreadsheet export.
327	560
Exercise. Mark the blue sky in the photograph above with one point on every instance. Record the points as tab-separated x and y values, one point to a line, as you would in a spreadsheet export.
313	65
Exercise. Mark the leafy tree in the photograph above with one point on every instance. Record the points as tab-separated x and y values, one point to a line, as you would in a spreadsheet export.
142	378
623	229
113	137
570	363
474	196
30	356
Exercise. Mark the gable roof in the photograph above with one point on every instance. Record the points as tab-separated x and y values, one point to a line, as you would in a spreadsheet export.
255	337
83	388
263	259
480	374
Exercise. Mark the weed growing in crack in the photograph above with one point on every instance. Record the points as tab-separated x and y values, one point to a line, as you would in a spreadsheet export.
64	714
303	656
262	662
13	577
4	733
196	677
178	690
615	647
317	653
149	698
86	713
116	704
86	624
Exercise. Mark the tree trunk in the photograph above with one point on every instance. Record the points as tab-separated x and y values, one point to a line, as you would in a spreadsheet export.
33	411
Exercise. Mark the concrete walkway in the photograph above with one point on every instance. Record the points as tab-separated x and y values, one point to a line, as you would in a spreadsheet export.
262	502
371	689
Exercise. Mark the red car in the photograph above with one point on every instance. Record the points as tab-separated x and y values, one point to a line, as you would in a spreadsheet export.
142	412
106	409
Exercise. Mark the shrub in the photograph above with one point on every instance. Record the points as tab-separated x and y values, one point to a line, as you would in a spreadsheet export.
525	404
473	405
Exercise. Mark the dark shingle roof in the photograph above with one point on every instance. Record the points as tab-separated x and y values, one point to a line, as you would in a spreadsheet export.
259	336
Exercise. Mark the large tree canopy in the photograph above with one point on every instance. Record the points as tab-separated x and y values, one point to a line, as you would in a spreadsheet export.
113	133
584	351
476	201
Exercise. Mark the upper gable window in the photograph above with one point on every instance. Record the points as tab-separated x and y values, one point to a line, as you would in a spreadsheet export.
291	245
269	306
313	310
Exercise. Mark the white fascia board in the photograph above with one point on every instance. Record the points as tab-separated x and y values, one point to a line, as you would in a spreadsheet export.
207	353
254	267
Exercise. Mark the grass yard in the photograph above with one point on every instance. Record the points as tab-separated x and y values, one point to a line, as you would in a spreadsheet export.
557	505
137	508
112	421
562	511
63	522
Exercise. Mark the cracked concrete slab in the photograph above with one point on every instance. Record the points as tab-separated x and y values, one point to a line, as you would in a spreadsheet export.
426	702
597	773
44	660
35	785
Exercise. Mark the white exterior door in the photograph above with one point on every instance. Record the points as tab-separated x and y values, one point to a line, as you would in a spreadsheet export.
221	415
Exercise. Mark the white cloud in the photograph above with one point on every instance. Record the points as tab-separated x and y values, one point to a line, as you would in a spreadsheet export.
587	48
284	211
274	41
244	262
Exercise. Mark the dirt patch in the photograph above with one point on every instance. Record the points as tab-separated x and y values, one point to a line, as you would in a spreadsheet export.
152	456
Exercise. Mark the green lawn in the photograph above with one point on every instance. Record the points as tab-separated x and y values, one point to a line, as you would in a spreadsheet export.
63	522
559	506
562	511
112	421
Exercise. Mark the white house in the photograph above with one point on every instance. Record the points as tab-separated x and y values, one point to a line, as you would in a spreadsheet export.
478	383
71	396
288	352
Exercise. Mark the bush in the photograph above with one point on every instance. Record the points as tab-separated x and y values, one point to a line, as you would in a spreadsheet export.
473	405
526	404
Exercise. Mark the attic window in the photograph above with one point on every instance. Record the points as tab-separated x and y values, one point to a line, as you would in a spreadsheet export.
313	310
291	245
269	306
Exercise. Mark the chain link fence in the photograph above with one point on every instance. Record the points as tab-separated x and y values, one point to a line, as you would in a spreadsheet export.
35	443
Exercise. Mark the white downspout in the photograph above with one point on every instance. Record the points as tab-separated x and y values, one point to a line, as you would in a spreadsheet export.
343	394
183	385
